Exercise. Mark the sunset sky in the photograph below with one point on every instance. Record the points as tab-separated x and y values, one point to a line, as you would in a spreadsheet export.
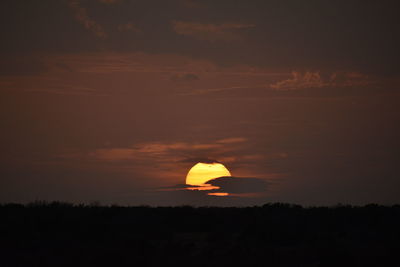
115	100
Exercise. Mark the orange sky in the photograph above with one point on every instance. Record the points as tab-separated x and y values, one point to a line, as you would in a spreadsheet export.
114	101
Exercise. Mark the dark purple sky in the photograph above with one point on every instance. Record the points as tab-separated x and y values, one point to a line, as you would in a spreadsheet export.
115	100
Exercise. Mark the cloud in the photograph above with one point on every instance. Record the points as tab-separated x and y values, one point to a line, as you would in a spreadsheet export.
185	77
21	66
115	154
216	91
128	27
63	67
240	185
158	148
232	140
198	159
163	157
309	80
82	17
66	89
180	195
300	81
210	32
109	1
226	186
180	151
369	46
178	67
304	84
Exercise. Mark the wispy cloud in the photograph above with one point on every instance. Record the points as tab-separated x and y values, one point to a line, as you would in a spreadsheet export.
232	140
205	91
179	151
178	66
109	1
231	186
184	77
82	17
299	81
65	89
128	27
22	66
301	84
209	31
239	185
309	80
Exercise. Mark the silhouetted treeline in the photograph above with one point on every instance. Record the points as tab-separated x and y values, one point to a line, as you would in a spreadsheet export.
61	234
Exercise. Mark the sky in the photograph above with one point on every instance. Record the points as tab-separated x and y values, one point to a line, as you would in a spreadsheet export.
113	101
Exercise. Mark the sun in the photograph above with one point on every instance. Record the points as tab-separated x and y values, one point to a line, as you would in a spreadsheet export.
200	173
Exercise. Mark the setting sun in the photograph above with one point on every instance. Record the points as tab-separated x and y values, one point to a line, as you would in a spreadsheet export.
200	173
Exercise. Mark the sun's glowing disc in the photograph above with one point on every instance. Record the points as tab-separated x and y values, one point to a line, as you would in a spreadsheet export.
200	173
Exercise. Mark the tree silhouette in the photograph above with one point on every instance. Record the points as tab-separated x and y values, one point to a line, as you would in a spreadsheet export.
275	234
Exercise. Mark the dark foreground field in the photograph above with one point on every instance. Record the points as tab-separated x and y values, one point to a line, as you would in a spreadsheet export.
59	234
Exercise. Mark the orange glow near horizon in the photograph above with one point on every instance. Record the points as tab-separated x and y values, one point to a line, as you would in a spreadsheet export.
219	194
200	173
203	187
